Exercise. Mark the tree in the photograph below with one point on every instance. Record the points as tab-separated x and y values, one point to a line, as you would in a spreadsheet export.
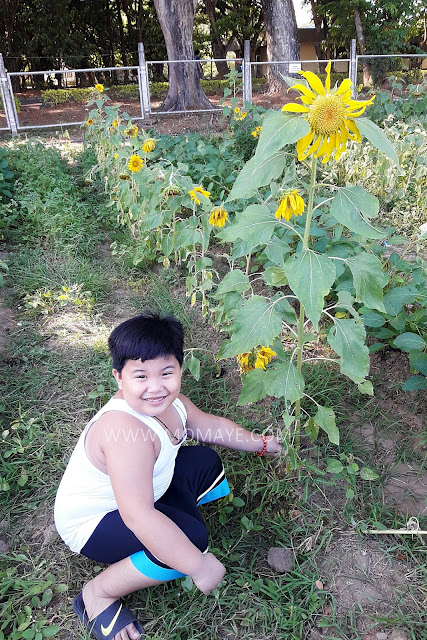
177	21
282	39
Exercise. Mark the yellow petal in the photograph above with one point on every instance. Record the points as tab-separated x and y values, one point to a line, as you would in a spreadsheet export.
344	135
314	82
328	77
304	142
295	108
344	86
303	89
355	114
311	150
351	126
326	147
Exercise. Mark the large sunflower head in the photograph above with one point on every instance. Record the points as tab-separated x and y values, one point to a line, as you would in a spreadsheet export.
135	163
330	114
218	217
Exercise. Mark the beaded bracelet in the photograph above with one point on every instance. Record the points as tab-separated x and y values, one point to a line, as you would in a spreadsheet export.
264	447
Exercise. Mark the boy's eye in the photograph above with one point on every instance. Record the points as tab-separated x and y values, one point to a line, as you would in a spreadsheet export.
141	376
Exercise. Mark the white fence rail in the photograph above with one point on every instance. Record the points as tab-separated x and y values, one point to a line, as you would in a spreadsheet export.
142	73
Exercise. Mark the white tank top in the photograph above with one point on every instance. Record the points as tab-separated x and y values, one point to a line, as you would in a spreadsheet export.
85	493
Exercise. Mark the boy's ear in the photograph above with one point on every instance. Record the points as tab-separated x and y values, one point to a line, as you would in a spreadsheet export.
118	378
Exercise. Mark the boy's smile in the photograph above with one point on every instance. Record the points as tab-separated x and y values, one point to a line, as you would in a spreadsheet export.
149	386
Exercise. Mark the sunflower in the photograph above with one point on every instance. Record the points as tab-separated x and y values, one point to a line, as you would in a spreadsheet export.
89	121
330	114
256	132
218	217
290	204
131	131
239	115
135	163
115	122
193	194
171	191
255	359
99	87
149	145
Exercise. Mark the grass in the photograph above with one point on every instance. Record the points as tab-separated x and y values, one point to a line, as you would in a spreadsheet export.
56	374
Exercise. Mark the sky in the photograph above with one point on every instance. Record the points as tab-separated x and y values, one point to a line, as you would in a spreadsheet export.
303	13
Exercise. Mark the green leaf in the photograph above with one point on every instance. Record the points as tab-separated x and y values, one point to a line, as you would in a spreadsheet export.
348	208
255	226
368	279
257	173
377	138
347	339
415	383
418	361
310	276
278	130
367	474
275	277
334	466
276	250
194	367
253	388
257	322
372	318
235	280
366	388
284	381
395	298
325	419
409	341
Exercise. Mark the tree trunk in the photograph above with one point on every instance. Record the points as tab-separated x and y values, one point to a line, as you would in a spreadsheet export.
318	22
176	20
218	47
282	40
361	41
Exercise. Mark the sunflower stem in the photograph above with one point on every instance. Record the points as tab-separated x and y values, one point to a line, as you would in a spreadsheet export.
310	203
300	345
248	262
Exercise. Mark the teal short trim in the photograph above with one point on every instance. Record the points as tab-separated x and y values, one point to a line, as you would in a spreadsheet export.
216	493
148	568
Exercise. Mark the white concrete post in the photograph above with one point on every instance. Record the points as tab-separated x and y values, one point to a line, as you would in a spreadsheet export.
247	75
352	69
144	87
7	97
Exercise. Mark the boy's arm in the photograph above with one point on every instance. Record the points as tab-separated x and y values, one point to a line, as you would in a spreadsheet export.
130	463
211	429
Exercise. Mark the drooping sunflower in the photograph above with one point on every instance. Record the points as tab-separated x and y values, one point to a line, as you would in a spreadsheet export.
218	217
290	204
171	191
135	163
256	132
330	114
131	131
149	145
193	194
256	359
115	122
99	87
89	122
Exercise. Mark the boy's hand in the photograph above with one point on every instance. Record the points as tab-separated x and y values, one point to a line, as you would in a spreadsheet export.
209	574
273	446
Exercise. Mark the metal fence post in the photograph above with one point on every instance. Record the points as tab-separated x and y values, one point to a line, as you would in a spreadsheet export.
247	75
7	97
352	69
144	87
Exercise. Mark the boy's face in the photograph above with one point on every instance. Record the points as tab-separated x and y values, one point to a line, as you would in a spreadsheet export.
150	386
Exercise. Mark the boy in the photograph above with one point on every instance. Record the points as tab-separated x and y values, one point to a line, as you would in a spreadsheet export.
129	496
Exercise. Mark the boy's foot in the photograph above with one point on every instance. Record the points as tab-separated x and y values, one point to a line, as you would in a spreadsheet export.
113	623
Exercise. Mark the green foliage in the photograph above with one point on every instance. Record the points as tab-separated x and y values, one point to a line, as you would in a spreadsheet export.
6	176
18	104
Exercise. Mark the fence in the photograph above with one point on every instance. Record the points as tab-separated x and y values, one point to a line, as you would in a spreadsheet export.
143	108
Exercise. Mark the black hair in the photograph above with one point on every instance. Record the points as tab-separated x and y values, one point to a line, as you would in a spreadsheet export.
146	337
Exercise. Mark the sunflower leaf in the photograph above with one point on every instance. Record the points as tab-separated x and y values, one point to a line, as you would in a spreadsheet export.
278	130
325	419
283	380
368	279
257	322
253	388
347	338
257	173
235	280
348	208
409	341
310	276
255	226
377	138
